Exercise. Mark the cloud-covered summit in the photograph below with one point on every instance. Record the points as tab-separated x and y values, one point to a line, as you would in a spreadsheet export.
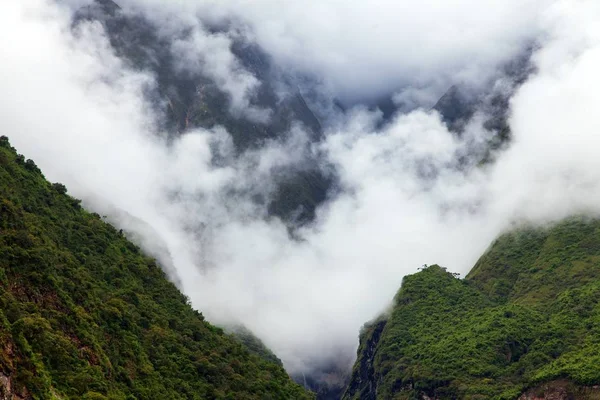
408	191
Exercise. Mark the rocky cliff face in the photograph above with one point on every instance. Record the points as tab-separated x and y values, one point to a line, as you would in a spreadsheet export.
561	390
194	100
363	384
8	390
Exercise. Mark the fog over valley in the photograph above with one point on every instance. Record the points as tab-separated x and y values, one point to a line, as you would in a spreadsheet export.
289	163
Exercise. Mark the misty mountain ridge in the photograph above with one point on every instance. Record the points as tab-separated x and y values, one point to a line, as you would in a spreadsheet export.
186	97
86	316
289	208
522	324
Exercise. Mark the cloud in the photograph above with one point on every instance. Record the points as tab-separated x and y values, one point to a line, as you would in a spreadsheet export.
181	43
368	49
552	167
211	54
404	199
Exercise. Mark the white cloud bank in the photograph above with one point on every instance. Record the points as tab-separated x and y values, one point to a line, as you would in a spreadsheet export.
72	106
364	49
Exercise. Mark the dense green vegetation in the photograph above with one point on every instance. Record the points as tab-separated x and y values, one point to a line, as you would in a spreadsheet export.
254	344
528	313
84	315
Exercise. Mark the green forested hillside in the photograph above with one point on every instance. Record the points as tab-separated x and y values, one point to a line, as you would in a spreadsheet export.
527	314
83	314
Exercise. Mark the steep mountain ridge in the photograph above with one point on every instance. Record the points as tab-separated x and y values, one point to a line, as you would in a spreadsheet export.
524	322
194	100
84	315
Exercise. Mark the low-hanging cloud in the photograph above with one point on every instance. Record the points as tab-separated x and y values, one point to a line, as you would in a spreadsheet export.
74	107
212	54
366	49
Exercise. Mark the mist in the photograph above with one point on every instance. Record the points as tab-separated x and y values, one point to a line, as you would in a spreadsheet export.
363	50
404	200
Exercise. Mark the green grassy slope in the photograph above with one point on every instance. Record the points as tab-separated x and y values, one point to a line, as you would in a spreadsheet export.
83	314
528	313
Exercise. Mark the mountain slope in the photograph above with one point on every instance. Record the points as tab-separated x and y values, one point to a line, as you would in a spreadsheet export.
525	321
83	314
191	98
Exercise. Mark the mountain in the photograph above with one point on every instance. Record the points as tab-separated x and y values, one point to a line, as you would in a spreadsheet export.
524	323
460	102
189	97
84	315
